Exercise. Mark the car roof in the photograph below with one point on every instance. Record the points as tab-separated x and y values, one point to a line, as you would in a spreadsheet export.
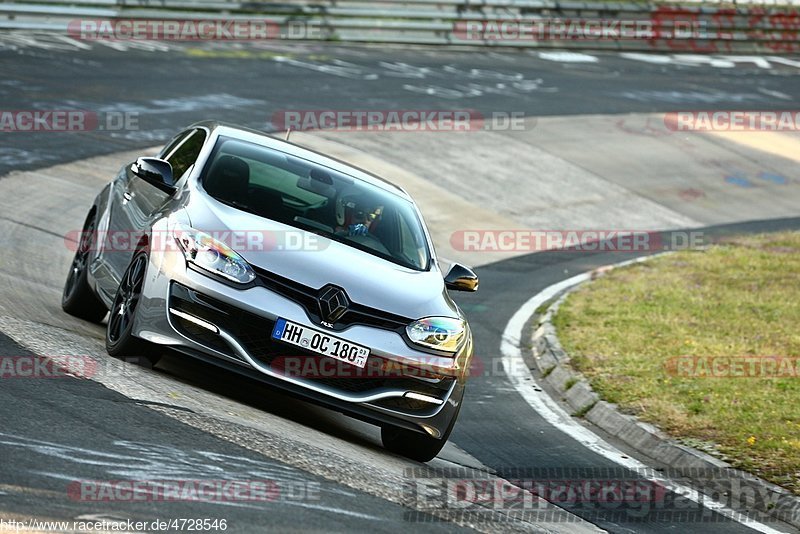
266	140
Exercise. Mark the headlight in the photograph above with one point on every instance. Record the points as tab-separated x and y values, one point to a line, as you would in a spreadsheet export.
440	333
212	255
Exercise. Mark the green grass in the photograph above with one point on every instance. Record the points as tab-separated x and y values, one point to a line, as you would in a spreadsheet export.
737	299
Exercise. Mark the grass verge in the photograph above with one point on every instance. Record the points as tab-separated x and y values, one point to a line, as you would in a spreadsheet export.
684	341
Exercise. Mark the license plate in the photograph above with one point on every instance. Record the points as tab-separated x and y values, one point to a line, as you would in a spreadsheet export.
320	342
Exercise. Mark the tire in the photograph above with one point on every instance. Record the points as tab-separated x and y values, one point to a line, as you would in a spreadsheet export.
415	445
120	342
77	298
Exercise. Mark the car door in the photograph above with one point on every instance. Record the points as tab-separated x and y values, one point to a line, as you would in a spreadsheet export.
135	202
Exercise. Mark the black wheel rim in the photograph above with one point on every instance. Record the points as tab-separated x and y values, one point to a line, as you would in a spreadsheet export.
80	259
124	308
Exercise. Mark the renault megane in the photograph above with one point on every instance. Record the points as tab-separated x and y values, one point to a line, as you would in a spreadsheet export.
283	264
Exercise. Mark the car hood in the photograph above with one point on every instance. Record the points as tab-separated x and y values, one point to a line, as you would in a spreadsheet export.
368	280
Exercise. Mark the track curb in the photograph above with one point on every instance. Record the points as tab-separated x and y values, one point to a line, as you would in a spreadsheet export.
553	363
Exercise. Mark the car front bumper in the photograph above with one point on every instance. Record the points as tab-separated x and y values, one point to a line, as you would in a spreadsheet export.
214	321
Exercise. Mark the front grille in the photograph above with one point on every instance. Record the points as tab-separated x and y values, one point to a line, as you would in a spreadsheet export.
254	333
306	297
224	316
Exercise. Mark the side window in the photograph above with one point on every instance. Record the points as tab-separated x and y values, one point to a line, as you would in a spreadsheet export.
177	140
184	156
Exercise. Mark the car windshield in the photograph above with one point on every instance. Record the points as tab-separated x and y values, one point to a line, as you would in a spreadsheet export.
309	196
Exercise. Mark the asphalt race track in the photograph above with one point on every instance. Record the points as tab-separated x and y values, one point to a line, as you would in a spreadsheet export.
188	420
174	86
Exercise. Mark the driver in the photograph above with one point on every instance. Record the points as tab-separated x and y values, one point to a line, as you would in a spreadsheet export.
361	217
362	220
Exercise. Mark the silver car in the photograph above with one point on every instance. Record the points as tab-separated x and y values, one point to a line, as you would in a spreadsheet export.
283	264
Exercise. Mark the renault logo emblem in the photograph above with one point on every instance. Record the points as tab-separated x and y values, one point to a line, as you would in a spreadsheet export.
333	304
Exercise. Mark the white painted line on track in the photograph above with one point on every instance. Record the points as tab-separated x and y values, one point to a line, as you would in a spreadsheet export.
554	414
568	57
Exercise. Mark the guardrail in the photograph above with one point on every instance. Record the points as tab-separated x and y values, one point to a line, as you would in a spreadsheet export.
485	23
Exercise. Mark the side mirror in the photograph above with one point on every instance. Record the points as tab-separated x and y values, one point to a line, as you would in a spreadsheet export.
156	172
460	278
